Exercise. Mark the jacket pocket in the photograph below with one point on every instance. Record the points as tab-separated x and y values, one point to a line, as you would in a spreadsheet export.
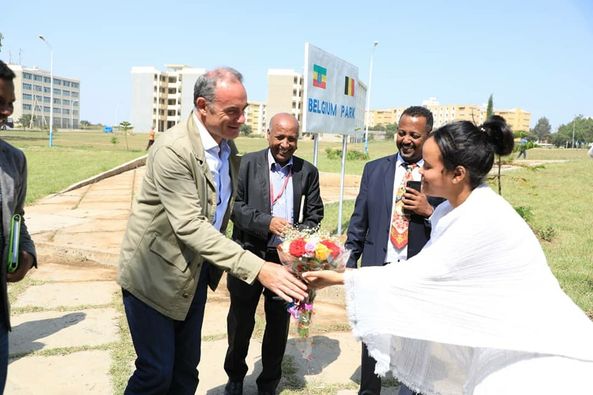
169	252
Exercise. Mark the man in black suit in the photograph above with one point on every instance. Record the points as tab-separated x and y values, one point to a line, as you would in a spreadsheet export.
390	222
275	190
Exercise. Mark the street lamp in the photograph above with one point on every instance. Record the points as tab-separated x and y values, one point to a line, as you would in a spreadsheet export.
51	89
368	112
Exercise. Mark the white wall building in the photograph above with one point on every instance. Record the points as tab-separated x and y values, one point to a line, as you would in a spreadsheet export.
33	98
161	99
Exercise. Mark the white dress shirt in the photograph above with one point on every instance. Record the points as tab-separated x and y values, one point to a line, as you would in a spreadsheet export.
283	206
217	157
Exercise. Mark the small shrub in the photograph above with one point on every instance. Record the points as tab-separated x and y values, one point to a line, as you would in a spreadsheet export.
332	153
547	233
114	140
525	212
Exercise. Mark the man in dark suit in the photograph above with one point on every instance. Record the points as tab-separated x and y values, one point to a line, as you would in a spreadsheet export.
389	223
275	190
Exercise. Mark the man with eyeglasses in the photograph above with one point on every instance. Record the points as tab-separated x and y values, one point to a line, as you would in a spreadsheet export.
276	190
174	246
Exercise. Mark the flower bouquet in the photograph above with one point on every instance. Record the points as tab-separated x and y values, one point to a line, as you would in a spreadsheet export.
305	251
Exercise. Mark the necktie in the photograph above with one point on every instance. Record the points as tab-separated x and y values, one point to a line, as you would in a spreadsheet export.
398	233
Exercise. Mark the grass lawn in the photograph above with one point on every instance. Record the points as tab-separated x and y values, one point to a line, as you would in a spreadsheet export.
558	195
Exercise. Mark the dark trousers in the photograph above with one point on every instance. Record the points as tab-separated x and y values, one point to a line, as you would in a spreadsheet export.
3	354
168	351
370	383
240	324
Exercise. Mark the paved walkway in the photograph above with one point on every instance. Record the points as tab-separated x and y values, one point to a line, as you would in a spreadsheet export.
69	333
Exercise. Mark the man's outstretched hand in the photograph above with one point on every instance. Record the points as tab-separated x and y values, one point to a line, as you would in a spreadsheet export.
280	281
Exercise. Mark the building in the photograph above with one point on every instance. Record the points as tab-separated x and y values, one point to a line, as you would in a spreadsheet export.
446	113
32	88
161	99
255	117
285	93
384	116
516	118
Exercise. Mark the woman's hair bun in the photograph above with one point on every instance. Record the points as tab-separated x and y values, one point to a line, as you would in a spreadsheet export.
499	134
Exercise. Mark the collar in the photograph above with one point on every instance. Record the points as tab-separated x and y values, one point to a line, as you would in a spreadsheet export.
273	165
207	140
400	161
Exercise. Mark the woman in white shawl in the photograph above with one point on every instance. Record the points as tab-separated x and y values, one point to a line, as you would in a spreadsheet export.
478	311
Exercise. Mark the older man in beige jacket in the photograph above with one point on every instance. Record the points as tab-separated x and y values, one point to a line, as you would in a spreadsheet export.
174	245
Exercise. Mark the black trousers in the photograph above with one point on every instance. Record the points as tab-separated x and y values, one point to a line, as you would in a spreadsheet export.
370	383
240	324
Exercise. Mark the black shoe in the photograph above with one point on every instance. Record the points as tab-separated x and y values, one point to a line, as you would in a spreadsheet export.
233	388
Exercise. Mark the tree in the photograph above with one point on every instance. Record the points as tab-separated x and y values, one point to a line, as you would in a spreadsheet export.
542	129
84	124
25	121
1	38
390	130
489	113
125	126
490	107
245	130
582	128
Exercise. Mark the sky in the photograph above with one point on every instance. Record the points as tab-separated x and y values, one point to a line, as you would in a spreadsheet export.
536	55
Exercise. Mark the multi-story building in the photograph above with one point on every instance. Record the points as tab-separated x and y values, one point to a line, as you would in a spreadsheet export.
161	99
285	93
255	116
384	116
446	113
516	118
32	88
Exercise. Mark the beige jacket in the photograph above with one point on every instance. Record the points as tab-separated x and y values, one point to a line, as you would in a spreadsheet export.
170	232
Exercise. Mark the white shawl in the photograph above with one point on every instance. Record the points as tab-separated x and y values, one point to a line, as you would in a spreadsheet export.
468	312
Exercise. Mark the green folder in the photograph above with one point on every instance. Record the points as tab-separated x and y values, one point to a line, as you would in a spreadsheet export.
14	243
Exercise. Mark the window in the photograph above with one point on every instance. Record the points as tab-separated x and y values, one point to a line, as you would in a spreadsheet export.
27	96
26	107
27	76
66	83
57	82
46	89
66	102
65	111
46	109
38	88
47	80
46	99
27	86
57	101
171	113
172	91
37	78
57	91
171	102
65	93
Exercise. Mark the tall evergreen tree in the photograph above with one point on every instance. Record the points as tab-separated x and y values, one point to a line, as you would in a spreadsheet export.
490	107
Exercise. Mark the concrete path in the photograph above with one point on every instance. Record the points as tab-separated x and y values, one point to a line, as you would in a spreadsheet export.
69	332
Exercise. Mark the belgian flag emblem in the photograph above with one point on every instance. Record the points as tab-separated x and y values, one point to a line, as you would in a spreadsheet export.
349	86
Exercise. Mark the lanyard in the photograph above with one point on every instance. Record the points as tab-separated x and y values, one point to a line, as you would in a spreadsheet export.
273	199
